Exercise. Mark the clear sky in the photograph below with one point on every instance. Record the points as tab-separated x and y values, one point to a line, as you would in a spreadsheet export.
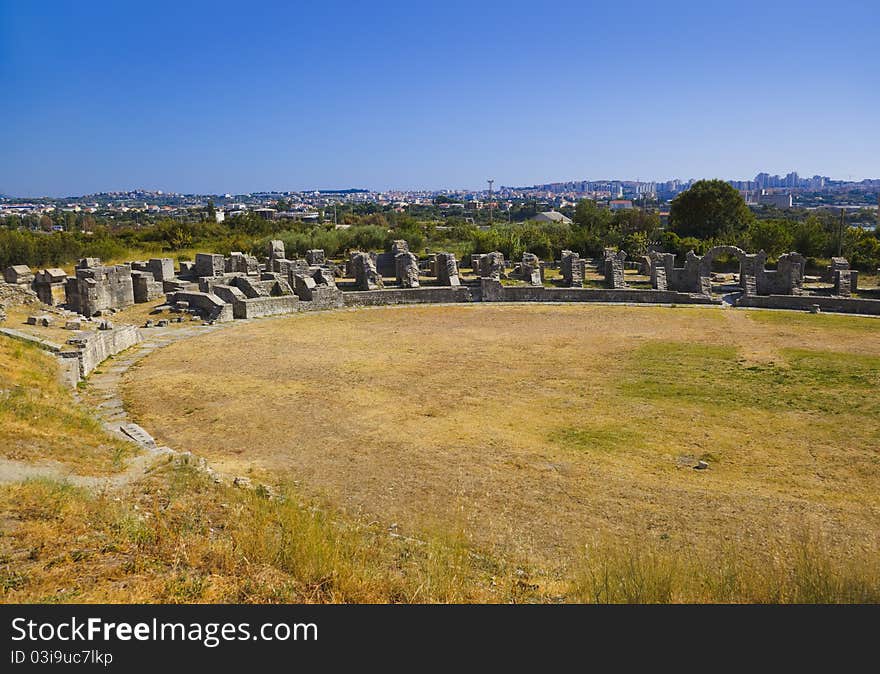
220	97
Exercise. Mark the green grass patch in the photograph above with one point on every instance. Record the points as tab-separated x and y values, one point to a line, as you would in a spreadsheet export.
823	321
808	381
595	438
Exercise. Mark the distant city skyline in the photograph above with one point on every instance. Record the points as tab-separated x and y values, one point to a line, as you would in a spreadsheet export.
761	180
226	97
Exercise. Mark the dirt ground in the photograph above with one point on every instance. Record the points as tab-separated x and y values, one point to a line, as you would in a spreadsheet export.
532	430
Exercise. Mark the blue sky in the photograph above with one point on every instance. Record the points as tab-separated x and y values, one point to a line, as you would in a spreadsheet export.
236	97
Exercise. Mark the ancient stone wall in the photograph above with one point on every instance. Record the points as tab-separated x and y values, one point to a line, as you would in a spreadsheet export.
91	348
494	291
423	295
805	303
211	306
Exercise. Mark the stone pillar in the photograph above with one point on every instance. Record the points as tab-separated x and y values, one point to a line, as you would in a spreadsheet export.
365	274
447	270
614	277
572	269
276	252
492	265
531	270
842	283
658	277
407	270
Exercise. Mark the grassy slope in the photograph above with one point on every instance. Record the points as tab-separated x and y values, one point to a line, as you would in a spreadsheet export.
39	419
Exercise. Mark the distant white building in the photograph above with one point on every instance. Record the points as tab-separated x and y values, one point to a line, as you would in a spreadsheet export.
620	204
775	200
552	216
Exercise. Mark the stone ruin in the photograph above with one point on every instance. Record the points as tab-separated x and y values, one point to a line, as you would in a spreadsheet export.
447	270
407	270
364	271
492	265
612	267
315	256
18	274
529	270
386	262
50	286
276	253
148	278
239	263
845	280
209	264
573	268
843	283
95	288
755	279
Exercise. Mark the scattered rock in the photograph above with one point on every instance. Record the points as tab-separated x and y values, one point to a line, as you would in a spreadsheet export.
148	324
242	482
701	465
162	323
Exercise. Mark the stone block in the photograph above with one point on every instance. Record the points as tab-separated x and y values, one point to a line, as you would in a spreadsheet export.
18	274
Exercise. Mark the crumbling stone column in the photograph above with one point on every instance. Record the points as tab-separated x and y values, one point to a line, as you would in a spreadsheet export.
531	271
572	269
842	283
614	277
492	265
447	270
365	274
407	270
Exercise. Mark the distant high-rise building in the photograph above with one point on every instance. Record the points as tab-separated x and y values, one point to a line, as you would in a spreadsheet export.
776	200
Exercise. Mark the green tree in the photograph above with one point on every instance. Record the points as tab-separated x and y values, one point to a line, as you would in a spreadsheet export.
772	236
809	237
709	209
588	216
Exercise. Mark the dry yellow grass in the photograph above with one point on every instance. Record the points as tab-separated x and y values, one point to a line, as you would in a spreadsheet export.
40	421
535	430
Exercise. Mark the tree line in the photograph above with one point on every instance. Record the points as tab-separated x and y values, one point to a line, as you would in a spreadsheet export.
710	213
